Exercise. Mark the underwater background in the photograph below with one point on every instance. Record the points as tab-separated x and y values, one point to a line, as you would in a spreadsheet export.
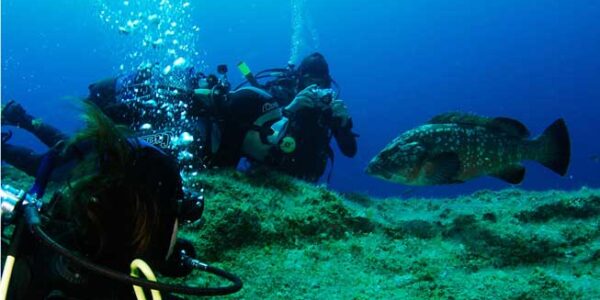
398	63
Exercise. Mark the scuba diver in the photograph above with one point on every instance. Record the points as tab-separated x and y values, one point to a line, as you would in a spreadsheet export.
311	114
156	105
120	209
286	124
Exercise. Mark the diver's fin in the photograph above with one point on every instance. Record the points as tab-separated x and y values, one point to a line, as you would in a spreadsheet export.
555	147
512	175
510	126
443	168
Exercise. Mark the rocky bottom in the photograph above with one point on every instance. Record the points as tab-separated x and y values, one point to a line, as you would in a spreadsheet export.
290	240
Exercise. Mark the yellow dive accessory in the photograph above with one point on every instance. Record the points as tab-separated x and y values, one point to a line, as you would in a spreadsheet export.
6	274
203	92
288	144
244	69
138	265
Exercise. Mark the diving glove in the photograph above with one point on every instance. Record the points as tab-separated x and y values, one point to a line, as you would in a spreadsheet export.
14	114
306	99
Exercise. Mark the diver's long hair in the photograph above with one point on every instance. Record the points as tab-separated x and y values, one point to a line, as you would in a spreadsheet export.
113	214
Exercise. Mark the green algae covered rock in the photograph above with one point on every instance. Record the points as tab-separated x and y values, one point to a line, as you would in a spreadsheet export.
242	210
287	239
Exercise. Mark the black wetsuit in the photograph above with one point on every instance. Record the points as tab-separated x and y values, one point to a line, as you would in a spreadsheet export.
23	158
236	114
312	129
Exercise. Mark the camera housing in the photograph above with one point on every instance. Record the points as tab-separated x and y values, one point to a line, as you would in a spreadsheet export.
325	95
222	69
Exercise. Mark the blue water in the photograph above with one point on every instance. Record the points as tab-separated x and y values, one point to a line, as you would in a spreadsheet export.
398	62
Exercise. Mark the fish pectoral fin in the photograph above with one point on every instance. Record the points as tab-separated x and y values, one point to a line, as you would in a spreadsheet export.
443	168
512	175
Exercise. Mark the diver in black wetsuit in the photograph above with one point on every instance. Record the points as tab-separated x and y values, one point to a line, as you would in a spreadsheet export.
286	124
124	200
312	115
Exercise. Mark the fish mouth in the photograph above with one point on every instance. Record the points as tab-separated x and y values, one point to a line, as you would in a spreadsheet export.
377	171
372	169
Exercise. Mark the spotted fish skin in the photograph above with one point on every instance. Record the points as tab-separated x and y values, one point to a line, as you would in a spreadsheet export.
454	148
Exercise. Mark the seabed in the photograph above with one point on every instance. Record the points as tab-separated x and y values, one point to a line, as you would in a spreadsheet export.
288	239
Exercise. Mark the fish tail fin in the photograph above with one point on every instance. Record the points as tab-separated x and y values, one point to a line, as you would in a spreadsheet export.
554	150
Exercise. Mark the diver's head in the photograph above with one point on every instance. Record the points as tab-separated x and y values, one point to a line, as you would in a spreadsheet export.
124	196
154	180
314	70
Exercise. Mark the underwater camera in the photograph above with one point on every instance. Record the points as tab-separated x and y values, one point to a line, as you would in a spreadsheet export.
222	69
325	96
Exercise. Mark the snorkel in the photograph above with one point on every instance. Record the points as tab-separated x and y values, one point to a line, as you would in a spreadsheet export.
22	209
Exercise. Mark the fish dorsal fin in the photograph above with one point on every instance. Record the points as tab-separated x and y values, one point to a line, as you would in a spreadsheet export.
506	125
459	118
513	174
510	126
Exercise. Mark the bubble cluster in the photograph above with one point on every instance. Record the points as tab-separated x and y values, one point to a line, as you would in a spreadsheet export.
304	35
152	31
156	41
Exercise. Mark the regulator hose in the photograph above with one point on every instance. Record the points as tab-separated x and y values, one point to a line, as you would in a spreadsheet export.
124	278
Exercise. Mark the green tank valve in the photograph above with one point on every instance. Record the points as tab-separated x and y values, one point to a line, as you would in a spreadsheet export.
288	144
244	69
203	92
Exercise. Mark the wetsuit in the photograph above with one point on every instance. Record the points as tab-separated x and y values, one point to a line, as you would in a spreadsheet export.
24	158
236	113
312	130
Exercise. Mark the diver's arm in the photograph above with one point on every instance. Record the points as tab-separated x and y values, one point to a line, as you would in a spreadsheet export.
346	139
342	128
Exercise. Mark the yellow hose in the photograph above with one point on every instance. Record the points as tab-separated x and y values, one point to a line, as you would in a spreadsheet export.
138	265
6	274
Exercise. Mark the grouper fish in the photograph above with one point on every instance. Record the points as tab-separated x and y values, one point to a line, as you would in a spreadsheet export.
456	147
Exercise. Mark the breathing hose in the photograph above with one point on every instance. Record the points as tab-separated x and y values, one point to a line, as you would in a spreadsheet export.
169	288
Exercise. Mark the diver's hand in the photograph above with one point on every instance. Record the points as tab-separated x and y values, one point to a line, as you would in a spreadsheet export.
306	99
340	113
